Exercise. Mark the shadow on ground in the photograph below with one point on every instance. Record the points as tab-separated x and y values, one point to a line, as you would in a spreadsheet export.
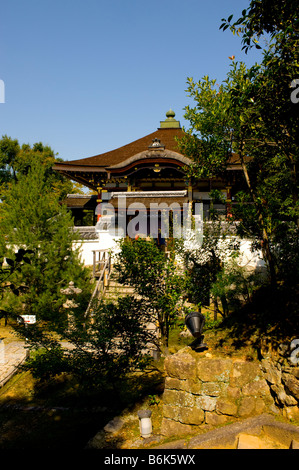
62	415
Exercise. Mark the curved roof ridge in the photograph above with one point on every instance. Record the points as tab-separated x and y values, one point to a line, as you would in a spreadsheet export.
118	155
165	154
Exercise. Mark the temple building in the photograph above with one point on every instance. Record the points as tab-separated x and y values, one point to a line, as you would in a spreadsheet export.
146	171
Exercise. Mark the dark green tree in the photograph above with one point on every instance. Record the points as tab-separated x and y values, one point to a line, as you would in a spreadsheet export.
16	160
115	344
142	265
32	218
8	266
264	18
251	117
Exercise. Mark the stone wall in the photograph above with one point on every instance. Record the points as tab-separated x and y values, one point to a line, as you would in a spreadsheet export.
283	381
205	391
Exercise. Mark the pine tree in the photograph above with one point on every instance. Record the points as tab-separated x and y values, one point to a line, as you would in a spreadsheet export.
32	218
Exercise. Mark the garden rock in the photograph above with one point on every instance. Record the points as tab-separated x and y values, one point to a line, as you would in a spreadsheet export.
114	425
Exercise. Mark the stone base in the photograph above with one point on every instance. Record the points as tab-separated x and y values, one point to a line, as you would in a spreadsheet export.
201	392
262	432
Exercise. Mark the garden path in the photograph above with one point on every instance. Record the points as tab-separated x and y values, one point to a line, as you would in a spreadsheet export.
12	354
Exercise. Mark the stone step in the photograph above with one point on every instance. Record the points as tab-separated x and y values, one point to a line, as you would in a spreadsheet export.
250	441
115	283
115	289
120	288
110	296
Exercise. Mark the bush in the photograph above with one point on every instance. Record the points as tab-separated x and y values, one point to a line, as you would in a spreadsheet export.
113	344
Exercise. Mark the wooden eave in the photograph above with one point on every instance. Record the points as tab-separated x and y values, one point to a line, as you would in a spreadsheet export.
164	162
91	170
71	167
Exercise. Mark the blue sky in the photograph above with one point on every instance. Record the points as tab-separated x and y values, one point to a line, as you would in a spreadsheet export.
87	76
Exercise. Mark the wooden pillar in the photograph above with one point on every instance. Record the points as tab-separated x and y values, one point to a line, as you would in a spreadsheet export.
190	191
94	263
99	200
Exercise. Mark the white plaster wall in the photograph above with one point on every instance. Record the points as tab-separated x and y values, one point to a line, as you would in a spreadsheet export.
106	241
249	259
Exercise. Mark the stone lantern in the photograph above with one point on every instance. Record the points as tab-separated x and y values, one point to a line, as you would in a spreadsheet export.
70	304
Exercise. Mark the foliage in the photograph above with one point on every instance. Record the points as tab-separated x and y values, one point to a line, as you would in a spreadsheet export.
261	17
119	337
113	345
141	264
11	265
8	267
16	160
286	251
33	219
234	286
153	400
251	119
206	262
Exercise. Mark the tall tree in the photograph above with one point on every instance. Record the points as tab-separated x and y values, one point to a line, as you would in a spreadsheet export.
32	218
252	117
264	17
142	265
16	160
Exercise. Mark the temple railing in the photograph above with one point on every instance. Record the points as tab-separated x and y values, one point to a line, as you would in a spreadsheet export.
102	270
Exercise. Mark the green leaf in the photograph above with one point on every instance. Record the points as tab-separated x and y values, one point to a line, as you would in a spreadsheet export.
10	262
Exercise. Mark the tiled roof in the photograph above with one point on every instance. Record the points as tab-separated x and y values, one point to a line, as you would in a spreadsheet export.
86	233
113	157
80	201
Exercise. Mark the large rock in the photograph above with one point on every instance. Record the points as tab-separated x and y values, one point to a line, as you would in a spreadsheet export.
214	370
227	407
212	389
181	366
244	372
215	420
292	385
172	383
251	406
256	388
178	398
170	427
194	415
271	373
171	412
206	403
281	397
